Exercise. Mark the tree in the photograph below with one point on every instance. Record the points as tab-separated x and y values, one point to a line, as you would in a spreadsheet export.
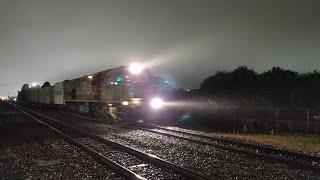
276	87
46	84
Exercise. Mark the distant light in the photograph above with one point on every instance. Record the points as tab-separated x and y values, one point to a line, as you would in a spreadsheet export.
4	98
90	77
188	90
135	68
156	103
34	84
110	105
186	117
111	82
125	103
142	121
116	83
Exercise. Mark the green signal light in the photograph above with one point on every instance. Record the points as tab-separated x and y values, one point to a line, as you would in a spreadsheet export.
119	78
186	117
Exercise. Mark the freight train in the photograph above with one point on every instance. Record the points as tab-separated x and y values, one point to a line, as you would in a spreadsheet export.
126	93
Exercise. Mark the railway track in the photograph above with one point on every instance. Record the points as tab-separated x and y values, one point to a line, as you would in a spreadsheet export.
259	148
252	150
126	161
292	159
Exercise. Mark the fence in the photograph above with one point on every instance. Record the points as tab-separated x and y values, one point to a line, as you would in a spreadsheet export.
278	120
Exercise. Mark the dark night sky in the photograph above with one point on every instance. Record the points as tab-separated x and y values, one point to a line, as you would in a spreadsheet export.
59	39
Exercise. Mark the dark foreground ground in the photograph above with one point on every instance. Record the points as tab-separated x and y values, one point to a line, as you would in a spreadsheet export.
29	150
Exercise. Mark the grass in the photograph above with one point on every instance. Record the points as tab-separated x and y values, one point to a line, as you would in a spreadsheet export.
299	143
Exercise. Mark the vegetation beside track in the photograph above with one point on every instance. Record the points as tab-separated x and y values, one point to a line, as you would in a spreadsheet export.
299	143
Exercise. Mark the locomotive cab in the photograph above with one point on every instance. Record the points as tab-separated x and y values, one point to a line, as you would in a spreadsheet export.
142	95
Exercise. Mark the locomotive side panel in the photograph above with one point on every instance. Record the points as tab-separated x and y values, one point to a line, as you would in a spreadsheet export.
96	85
105	91
69	90
112	85
85	88
76	94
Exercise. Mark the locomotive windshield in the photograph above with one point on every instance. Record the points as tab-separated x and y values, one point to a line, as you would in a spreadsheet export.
137	91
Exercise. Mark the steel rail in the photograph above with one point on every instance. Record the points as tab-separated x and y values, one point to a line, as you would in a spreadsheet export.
274	159
148	157
293	163
247	145
128	174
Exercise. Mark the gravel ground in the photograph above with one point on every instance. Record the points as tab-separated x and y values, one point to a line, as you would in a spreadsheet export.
51	159
127	160
314	162
31	151
208	160
131	162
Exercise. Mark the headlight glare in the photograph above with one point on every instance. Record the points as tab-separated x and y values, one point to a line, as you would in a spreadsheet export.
156	103
125	103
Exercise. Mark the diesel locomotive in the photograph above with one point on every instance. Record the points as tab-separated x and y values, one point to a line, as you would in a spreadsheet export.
126	93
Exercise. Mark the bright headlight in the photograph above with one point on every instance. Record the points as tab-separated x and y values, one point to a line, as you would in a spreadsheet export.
135	68
125	103
156	103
